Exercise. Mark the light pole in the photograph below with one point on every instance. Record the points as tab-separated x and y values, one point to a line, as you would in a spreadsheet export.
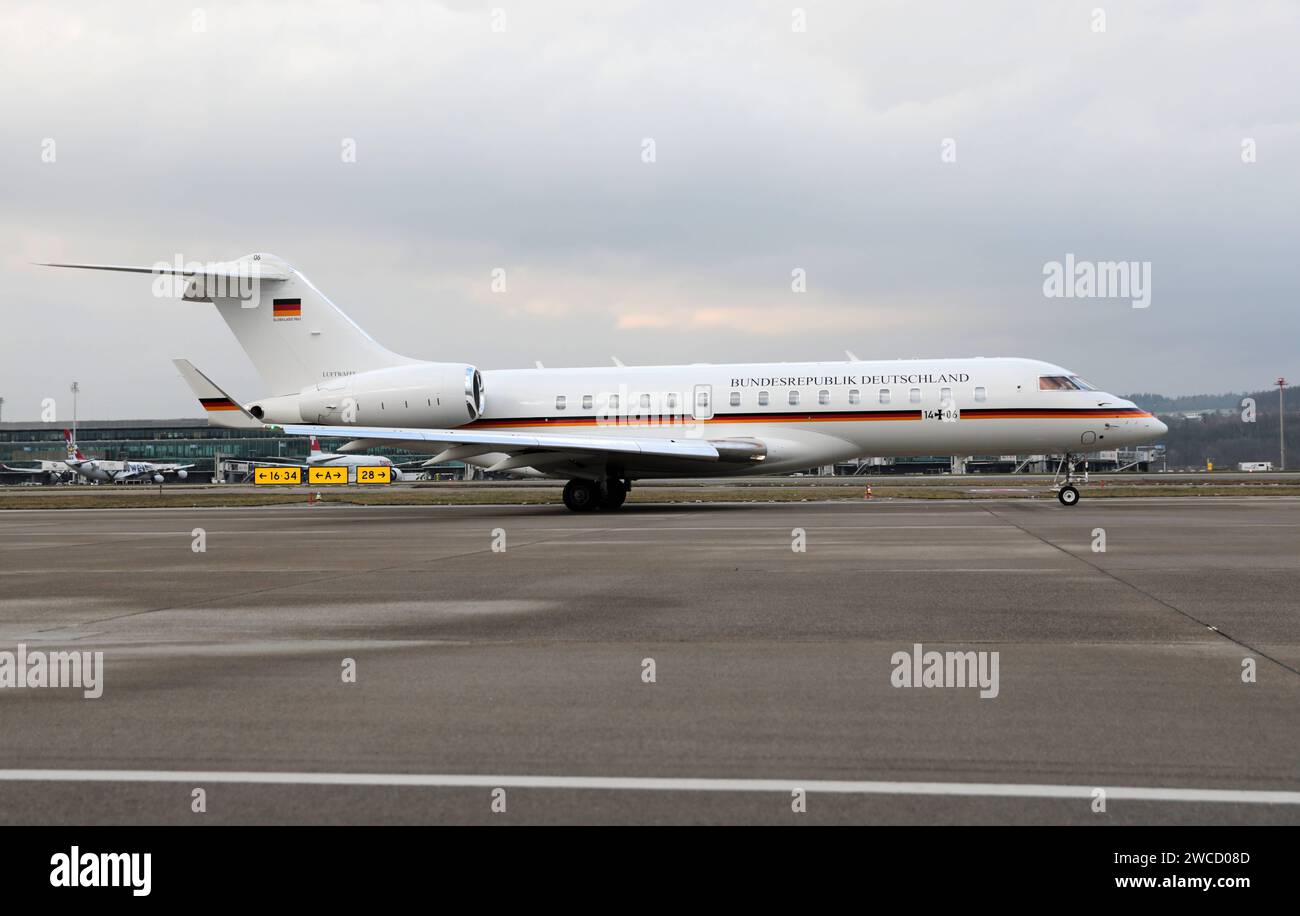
75	388
1281	424
2	410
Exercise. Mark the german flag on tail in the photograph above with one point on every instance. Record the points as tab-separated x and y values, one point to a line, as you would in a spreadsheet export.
211	404
286	308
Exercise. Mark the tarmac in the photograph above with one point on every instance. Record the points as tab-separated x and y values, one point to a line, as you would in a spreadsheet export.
662	664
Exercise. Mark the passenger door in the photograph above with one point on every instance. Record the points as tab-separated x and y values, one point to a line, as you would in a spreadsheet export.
702	402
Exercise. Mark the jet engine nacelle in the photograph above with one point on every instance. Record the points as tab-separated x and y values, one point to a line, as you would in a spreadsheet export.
157	478
436	395
182	474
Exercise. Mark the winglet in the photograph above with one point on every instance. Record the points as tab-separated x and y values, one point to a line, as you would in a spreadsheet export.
221	408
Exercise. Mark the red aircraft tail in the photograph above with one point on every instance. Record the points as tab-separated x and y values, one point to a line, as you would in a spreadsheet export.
71	443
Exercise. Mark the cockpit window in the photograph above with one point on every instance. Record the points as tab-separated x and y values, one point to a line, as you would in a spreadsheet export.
1082	384
1056	383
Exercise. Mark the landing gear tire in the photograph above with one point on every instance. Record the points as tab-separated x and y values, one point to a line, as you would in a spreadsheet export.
614	495
1068	495
581	495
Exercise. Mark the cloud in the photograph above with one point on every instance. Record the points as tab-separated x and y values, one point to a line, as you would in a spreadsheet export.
775	150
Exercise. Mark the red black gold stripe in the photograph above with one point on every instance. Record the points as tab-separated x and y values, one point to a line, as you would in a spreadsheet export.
218	404
287	308
1049	413
829	416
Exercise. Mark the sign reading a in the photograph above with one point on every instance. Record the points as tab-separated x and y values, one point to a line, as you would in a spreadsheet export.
327	476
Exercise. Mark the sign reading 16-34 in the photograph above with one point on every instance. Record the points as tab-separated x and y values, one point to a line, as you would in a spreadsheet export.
277	476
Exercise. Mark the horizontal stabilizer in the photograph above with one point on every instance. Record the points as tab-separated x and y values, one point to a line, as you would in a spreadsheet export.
228	270
222	410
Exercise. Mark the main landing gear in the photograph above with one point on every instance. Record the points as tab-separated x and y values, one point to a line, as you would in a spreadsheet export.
588	495
1066	491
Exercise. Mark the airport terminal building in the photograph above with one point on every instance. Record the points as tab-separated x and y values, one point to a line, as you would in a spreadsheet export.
214	451
223	454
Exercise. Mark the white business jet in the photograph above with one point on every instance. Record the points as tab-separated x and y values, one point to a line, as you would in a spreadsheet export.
603	428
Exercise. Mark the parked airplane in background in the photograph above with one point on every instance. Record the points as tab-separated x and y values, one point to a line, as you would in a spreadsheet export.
318	459
99	470
603	428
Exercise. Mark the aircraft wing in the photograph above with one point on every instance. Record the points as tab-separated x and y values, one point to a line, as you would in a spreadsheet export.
10	470
524	450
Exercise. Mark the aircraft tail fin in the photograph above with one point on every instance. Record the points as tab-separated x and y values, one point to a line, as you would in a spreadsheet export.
74	452
221	408
294	336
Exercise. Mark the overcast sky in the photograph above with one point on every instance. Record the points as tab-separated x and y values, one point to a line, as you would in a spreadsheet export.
213	133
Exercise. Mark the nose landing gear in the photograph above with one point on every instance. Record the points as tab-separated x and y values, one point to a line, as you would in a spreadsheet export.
1066	491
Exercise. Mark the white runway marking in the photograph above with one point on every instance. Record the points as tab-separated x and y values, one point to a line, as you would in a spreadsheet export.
662	784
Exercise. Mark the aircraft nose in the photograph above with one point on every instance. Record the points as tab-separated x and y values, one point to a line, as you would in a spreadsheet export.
1152	424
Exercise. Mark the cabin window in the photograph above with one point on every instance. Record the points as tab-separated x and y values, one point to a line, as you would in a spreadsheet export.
914	395
645	402
559	402
735	399
762	399
981	394
794	398
672	401
586	402
884	395
613	402
855	396
823	397
945	396
702	398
